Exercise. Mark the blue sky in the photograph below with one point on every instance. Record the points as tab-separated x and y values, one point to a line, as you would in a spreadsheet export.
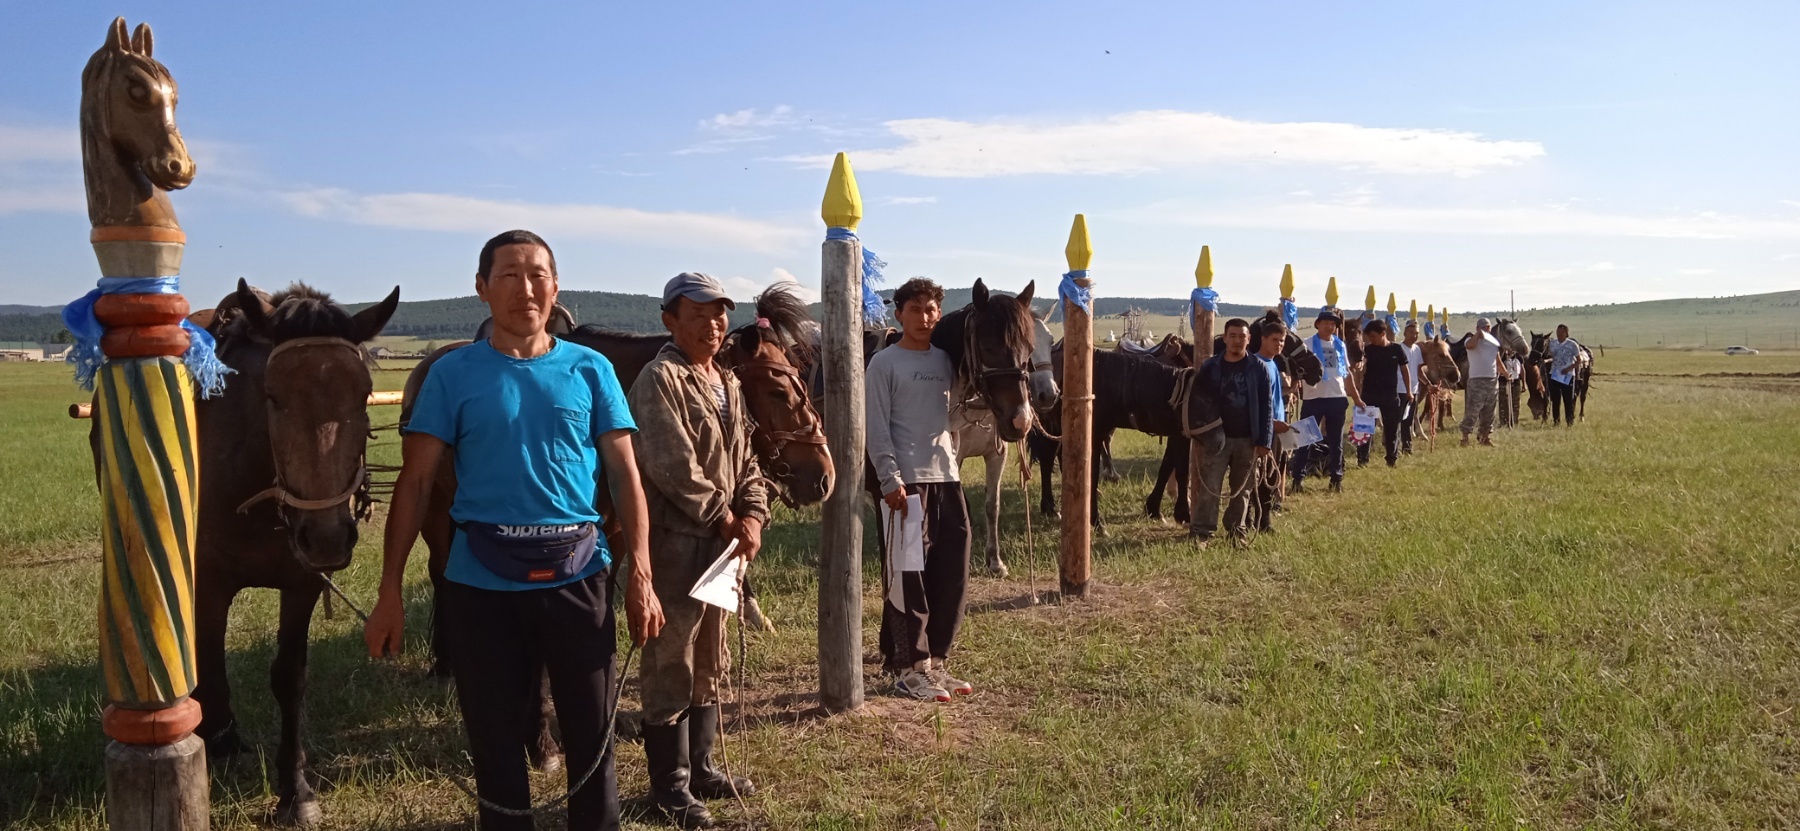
1574	153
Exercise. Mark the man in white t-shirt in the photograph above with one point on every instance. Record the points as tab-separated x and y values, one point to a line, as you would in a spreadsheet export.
1415	358
1327	400
1479	393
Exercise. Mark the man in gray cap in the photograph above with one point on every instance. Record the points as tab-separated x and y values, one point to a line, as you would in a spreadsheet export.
1481	390
701	483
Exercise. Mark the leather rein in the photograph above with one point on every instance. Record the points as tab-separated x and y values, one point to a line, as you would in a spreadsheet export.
356	494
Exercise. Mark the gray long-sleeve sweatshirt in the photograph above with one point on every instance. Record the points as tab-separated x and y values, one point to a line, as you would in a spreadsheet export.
907	408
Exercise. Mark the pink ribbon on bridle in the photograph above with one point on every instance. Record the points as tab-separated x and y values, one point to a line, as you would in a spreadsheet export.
762	323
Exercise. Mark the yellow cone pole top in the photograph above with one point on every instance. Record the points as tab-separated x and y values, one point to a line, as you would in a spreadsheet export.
842	207
1080	250
1287	281
1369	300
1331	294
1430	312
1392	306
1203	272
1446	314
1412	311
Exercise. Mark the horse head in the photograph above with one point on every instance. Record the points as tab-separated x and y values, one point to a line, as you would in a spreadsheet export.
998	342
314	387
1044	392
1301	360
785	431
1439	367
1353	337
1508	333
132	152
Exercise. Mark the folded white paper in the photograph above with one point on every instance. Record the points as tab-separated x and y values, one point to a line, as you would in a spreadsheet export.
905	537
718	585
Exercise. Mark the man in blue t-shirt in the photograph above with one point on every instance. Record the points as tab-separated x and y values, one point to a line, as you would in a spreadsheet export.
1270	468
530	423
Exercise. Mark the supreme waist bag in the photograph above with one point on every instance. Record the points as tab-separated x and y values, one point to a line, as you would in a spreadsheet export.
532	553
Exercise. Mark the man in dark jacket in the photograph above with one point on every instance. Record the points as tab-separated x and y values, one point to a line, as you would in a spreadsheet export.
1239	387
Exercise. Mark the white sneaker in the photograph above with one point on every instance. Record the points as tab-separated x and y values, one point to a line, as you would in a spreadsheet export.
941	675
918	685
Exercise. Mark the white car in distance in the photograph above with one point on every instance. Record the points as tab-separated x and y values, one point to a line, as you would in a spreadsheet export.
1740	350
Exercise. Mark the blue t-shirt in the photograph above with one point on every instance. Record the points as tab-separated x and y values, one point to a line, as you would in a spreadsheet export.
1276	397
523	432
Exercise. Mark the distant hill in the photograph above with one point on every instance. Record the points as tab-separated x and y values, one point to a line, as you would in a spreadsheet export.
1758	320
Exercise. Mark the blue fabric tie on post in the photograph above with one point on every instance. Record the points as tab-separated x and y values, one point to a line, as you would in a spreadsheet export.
1073	292
1290	314
204	366
1204	298
1430	330
1393	326
874	310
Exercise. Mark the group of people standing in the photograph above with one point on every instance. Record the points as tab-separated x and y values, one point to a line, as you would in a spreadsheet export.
535	426
1250	397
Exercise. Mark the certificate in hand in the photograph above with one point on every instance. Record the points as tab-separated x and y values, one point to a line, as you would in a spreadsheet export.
718	585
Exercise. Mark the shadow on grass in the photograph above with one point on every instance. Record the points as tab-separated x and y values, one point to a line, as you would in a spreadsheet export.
364	721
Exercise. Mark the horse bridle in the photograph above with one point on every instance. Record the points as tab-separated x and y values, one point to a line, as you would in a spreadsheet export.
770	444
357	494
979	375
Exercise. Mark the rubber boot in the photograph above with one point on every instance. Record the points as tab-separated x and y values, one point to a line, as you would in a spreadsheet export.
666	755
710	782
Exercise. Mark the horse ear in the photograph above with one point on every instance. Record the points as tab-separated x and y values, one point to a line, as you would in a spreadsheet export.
980	294
369	322
142	42
118	37
750	339
255	310
1025	296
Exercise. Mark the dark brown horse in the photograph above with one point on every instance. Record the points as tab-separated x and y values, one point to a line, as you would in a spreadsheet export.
284	483
786	433
989	343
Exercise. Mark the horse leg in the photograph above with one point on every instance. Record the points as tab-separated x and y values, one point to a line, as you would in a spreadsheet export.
1094	519
1046	459
1103	448
995	462
218	725
1153	503
1179	448
438	531
296	804
541	748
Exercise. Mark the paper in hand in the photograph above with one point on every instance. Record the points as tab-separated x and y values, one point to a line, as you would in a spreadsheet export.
718	585
905	536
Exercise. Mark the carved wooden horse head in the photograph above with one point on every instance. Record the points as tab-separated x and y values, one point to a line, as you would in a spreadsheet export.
131	152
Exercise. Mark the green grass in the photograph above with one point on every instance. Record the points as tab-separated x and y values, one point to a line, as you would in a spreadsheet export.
1587	628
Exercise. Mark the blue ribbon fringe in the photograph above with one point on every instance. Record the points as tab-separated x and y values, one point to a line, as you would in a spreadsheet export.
1076	293
1290	314
874	309
203	365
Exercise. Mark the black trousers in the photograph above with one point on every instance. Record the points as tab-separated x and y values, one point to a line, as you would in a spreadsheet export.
934	598
1391	429
501	640
1331	413
1562	400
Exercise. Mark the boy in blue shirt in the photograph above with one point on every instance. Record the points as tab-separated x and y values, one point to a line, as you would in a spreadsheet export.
529	420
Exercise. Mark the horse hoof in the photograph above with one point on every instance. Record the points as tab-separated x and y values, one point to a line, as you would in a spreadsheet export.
996	568
547	763
298	813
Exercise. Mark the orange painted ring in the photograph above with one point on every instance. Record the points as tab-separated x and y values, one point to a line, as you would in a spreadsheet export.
136	233
141	309
145	341
151	727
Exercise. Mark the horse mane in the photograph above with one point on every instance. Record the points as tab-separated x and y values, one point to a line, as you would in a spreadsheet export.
300	311
1013	320
781	305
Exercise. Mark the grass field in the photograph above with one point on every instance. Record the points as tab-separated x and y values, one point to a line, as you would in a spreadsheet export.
1586	628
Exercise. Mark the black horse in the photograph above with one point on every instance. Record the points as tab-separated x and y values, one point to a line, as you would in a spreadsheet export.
1132	391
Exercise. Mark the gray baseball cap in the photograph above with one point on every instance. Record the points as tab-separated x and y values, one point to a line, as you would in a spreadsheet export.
700	288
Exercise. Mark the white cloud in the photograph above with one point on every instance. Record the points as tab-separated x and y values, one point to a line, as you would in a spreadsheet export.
745	288
909	200
449	212
1697	272
749	118
1606	265
1168	140
1531	221
39	144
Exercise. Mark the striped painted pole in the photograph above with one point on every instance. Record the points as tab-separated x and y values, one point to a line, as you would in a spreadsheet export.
149	471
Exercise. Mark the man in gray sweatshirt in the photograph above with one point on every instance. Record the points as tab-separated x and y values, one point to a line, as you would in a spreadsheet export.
914	454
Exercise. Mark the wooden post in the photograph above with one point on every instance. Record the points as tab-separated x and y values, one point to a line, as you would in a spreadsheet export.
1077	422
840	525
1203	348
146	463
